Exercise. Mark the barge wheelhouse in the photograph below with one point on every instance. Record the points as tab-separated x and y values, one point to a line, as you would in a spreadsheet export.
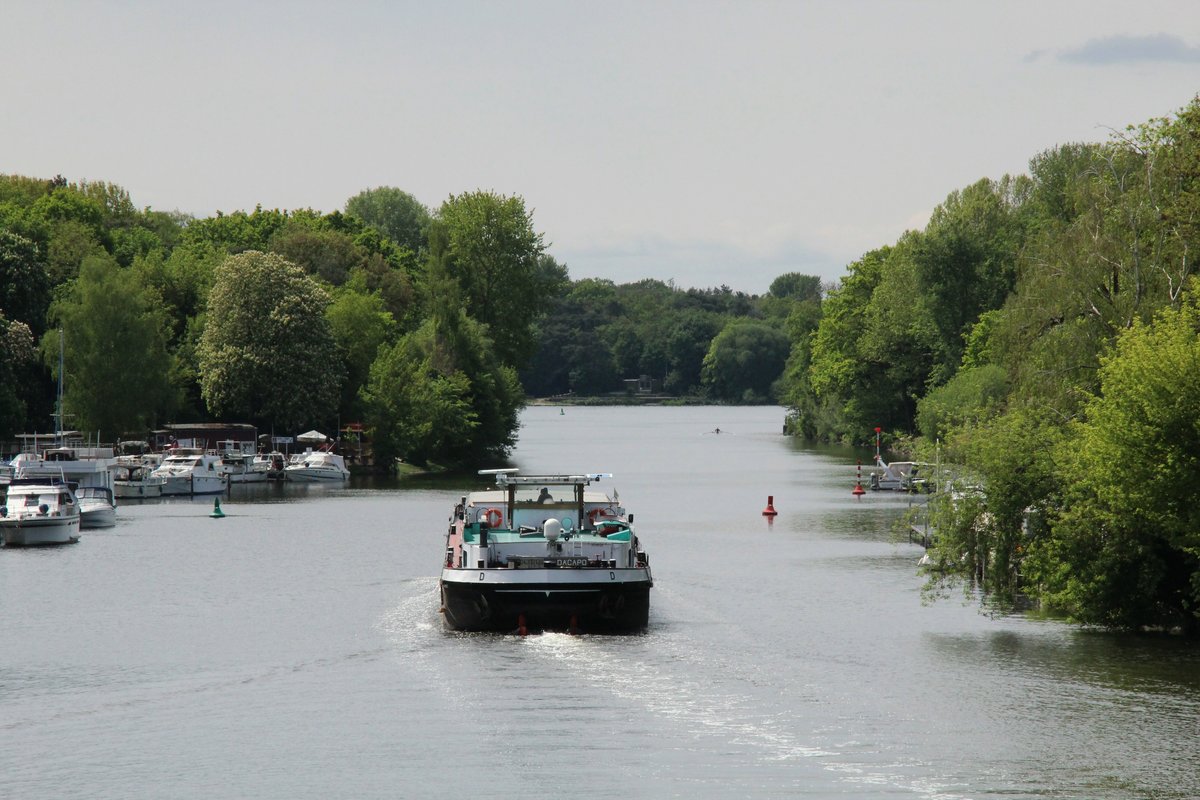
544	552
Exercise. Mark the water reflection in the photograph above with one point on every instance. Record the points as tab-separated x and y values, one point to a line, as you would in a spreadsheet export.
1053	652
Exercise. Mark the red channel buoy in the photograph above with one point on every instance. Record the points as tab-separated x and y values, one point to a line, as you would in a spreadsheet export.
770	511
858	491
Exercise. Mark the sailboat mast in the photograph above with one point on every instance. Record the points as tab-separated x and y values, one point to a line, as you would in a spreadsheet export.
58	417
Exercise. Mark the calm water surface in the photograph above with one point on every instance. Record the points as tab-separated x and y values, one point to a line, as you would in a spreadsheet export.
294	650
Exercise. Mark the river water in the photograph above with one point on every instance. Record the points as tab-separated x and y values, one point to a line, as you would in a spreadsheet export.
293	650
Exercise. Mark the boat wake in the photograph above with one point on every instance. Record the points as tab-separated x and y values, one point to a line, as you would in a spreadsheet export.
712	698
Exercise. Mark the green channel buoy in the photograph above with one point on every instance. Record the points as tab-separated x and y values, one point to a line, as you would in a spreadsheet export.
217	513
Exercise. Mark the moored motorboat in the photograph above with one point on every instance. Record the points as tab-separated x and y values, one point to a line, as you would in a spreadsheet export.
88	469
544	552
133	478
244	468
895	476
317	466
97	507
189	471
39	511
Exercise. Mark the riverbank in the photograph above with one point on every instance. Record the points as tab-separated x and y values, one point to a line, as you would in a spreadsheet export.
620	400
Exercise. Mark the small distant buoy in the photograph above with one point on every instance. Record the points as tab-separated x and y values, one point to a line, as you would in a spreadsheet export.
858	491
217	513
770	511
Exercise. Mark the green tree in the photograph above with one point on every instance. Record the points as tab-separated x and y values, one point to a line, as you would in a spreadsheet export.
118	371
803	320
24	285
744	360
16	351
796	286
395	213
689	337
842	381
984	538
965	262
973	394
495	256
328	254
440	397
236	232
572	353
1125	549
70	243
267	353
69	204
360	324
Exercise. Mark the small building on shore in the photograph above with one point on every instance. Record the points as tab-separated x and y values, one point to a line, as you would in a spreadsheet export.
206	435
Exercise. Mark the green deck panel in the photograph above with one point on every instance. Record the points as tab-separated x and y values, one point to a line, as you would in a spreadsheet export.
505	535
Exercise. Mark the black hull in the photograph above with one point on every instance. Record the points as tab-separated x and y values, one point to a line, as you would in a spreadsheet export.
547	606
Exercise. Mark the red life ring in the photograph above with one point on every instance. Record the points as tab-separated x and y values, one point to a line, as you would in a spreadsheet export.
598	513
493	517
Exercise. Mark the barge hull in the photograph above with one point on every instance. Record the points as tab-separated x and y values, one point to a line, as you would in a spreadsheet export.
594	608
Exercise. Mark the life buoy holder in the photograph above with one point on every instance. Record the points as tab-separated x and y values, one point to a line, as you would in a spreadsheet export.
493	517
601	513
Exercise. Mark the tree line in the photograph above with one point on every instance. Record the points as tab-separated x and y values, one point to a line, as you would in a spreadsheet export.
429	326
1043	332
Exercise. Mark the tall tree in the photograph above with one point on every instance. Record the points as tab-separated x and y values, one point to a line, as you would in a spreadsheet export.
267	353
328	254
495	256
1125	549
744	361
840	377
118	372
16	351
965	262
24	285
361	325
395	213
440	397
572	354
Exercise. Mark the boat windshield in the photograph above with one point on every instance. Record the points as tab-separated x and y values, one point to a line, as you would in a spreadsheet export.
182	461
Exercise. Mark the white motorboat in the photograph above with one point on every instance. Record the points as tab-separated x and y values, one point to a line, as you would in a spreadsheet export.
39	511
133	478
318	466
244	468
87	468
894	476
97	507
544	552
189	471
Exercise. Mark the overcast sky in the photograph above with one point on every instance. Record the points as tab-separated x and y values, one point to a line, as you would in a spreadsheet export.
707	143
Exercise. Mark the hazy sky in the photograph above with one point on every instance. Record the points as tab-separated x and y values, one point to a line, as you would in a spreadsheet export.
702	142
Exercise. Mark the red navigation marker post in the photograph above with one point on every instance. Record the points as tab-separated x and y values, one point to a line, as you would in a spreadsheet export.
770	511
